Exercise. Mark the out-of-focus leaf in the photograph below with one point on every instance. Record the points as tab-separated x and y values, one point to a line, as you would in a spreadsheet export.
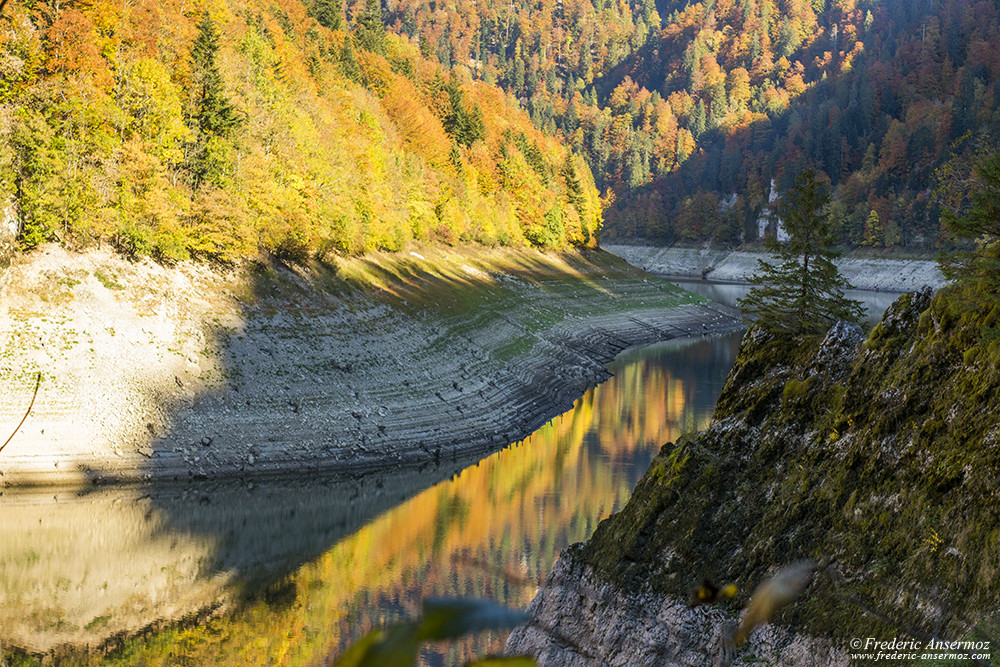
399	645
354	656
515	661
396	647
450	618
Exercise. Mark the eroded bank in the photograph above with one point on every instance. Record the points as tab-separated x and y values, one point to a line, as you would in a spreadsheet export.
153	372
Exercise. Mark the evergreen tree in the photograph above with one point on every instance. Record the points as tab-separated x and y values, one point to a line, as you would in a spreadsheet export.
369	29
348	62
329	13
698	121
574	187
465	126
212	118
970	199
803	293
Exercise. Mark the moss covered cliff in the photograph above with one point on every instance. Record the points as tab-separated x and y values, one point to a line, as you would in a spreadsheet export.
876	457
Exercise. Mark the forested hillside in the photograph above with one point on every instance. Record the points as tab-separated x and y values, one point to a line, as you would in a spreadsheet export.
225	128
678	106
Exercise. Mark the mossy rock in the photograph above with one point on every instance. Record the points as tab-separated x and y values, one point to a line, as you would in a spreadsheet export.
878	461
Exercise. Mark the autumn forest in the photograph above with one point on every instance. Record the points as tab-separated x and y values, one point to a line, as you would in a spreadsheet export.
226	128
686	111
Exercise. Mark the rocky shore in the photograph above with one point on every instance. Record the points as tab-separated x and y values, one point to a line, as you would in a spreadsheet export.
153	372
579	619
872	457
877	275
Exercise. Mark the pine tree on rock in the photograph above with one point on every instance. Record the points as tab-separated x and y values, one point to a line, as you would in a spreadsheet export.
212	118
803	293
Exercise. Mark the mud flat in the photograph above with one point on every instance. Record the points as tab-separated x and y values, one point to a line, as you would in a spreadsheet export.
878	275
153	372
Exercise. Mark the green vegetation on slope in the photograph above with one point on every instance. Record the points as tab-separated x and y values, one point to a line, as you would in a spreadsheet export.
876	459
222	129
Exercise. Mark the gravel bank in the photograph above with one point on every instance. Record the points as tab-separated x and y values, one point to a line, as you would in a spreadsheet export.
878	275
189	372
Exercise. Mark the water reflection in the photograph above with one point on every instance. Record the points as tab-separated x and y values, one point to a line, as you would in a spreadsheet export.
78	569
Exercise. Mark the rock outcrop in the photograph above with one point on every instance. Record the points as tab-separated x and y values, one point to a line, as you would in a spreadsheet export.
879	275
875	458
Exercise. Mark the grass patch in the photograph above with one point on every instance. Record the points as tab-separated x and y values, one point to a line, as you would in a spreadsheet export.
109	281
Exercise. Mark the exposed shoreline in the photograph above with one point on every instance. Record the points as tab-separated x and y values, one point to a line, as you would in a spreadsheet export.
724	266
154	373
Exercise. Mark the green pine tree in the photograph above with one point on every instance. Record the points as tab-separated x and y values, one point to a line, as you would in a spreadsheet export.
369	29
348	62
803	293
329	13
465	126
969	194
211	116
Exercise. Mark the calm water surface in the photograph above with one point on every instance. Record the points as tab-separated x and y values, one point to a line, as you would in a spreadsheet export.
304	567
301	568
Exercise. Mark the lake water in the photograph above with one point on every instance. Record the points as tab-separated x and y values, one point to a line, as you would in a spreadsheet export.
296	570
874	303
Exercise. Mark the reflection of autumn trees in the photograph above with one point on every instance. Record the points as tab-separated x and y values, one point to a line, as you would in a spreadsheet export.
493	531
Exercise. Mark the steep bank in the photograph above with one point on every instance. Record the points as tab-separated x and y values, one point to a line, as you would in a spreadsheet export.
880	275
876	458
153	372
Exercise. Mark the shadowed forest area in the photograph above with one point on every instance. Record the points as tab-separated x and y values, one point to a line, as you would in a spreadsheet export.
686	111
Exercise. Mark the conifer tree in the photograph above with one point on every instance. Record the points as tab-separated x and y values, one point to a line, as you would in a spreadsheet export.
212	118
369	30
803	293
970	198
348	62
329	13
465	126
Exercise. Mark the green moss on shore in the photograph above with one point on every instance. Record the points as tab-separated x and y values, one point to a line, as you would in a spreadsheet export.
878	459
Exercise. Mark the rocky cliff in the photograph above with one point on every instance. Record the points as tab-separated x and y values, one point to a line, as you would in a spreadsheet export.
876	457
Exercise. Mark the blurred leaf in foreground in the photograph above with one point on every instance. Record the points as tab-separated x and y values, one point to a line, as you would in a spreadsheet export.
399	645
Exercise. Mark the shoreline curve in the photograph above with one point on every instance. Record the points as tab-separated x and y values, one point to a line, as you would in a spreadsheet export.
192	372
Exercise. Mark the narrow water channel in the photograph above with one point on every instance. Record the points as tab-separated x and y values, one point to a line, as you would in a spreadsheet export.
298	569
306	567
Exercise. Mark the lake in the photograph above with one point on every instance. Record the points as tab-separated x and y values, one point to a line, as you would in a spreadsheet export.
294	570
